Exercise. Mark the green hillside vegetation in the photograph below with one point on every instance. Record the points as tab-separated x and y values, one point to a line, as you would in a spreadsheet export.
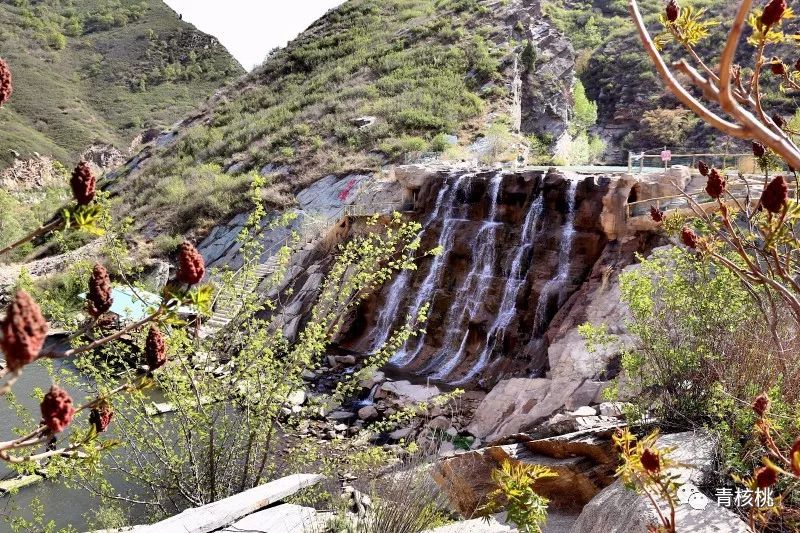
423	68
100	71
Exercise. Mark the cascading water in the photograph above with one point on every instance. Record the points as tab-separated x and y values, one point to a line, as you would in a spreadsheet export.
557	282
514	283
429	284
388	314
472	291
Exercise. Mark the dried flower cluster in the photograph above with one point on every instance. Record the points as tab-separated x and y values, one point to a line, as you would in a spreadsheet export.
83	183
775	195
716	184
689	237
703	168
99	300
100	417
6	87
758	149
57	409
773	13
155	349
650	460
656	214
673	11
24	331
191	266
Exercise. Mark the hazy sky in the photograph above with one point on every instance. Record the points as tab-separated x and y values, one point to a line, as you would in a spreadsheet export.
251	28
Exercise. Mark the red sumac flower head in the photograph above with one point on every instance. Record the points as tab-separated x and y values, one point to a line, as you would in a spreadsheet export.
777	67
100	417
689	237
794	457
656	214
703	168
773	13
797	65
673	11
6	87
761	405
99	299
155	350
191	265
715	185
775	195
24	331
778	120
57	409
758	149
83	183
766	477
650	460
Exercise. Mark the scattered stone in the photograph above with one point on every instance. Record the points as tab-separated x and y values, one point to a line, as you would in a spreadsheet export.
452	432
439	423
369	412
616	409
340	427
371	381
297	397
410	393
446	448
346	360
594	422
364	122
583	411
340	415
308	375
400	434
561	423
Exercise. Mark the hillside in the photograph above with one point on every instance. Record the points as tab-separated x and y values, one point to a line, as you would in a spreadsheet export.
369	84
101	71
635	111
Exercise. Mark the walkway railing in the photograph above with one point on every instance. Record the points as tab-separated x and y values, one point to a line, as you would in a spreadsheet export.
637	161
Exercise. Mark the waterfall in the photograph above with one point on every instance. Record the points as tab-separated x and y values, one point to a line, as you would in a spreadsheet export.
557	282
388	314
472	292
514	283
429	284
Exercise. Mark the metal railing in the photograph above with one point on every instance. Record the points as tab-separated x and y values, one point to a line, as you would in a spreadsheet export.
720	160
680	201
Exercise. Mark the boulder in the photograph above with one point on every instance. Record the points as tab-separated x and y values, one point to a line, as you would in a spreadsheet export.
346	360
410	393
373	379
616	409
364	122
414	176
584	461
297	398
583	411
619	510
440	423
516	396
368	413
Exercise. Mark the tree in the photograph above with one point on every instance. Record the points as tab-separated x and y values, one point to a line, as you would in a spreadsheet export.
753	239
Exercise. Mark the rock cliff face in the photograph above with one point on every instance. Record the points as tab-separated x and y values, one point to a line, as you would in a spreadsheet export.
515	248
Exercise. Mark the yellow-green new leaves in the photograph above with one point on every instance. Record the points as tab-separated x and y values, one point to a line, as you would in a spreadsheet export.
88	218
689	28
770	34
524	507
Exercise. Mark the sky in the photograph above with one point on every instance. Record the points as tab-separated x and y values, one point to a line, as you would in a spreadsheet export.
249	29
